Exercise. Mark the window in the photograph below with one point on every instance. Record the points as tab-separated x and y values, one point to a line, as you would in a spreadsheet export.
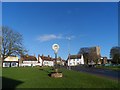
73	63
13	64
45	62
7	64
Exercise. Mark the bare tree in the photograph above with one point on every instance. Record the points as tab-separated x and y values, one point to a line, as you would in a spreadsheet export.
115	54
11	43
89	54
0	40
93	55
85	52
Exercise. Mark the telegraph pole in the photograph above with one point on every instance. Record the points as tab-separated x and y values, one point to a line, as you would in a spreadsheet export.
69	52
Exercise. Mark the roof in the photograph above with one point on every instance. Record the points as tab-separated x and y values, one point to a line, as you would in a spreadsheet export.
64	60
74	56
10	61
47	58
11	58
28	58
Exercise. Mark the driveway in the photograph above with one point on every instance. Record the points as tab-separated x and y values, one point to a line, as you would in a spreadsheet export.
100	72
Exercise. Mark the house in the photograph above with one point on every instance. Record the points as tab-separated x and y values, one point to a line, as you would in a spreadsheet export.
104	60
47	60
11	61
109	61
27	60
60	61
63	62
74	60
92	63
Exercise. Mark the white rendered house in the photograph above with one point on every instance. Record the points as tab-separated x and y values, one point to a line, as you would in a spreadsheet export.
28	60
47	60
74	60
11	61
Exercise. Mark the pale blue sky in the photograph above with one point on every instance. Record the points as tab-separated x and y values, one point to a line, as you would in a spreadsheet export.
43	24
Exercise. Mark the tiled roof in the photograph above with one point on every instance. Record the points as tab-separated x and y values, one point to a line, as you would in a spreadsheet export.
28	58
46	58
74	56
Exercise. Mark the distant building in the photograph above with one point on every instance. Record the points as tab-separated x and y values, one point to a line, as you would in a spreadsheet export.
104	60
109	61
91	54
47	60
95	49
60	61
63	62
74	60
27	60
11	61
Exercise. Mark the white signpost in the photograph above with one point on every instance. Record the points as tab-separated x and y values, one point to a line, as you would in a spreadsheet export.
56	74
55	47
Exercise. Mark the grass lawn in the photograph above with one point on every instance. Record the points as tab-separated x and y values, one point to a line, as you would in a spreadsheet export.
36	77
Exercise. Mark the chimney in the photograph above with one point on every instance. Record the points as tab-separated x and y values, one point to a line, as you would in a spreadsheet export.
42	56
48	55
26	55
38	56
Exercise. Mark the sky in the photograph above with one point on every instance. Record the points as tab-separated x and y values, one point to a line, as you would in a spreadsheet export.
71	25
0	19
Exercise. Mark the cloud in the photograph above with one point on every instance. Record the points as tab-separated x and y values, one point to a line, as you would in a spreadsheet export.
49	37
70	37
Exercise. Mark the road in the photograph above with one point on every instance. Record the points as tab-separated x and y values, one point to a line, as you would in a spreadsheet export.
100	72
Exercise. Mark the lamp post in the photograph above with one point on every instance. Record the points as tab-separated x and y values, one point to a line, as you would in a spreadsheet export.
69	51
55	47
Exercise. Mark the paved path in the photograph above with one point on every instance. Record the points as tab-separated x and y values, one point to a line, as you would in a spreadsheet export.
101	72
